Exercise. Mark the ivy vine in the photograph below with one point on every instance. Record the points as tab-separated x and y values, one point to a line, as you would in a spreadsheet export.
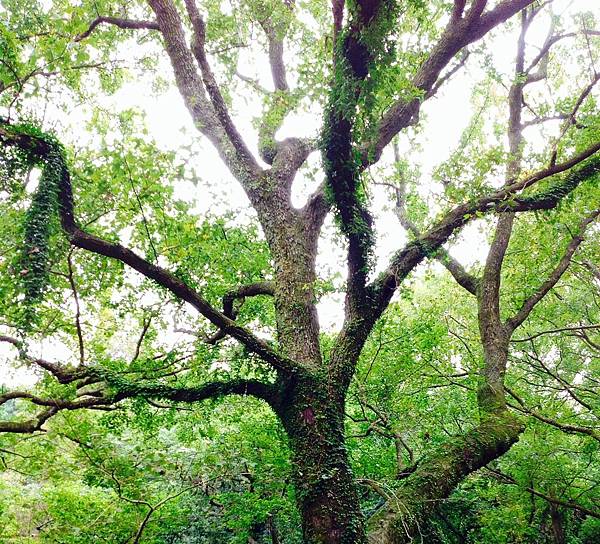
41	219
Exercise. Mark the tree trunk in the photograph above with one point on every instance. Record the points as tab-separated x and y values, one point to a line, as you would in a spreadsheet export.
558	531
313	416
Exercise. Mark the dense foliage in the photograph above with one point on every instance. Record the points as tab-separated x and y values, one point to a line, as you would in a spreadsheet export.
163	374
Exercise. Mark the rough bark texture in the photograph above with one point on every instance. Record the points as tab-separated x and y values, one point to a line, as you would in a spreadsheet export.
313	417
309	393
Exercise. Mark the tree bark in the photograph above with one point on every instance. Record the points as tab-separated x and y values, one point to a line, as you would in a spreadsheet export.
438	475
326	494
558	530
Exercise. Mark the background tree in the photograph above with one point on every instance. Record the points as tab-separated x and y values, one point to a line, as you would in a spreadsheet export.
368	74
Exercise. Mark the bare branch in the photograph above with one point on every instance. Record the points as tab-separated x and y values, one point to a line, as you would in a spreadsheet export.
528	305
592	268
458	9
570	429
117	21
567	504
448	75
275	39
459	273
250	290
138	345
554	331
212	87
254	83
316	209
77	309
62	373
571	118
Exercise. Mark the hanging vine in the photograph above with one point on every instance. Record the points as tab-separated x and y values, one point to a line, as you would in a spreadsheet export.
35	149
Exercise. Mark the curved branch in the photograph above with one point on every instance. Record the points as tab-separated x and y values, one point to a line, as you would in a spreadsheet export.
467	281
503	200
63	374
356	330
162	277
117	21
554	331
569	429
29	426
250	290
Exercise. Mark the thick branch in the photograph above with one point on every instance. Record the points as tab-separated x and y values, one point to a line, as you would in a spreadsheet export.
162	277
494	335
212	87
380	291
191	87
29	426
125	389
117	21
177	287
436	477
460	32
211	390
275	38
352	60
504	200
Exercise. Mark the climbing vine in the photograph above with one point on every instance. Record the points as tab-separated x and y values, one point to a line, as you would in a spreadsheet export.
362	47
41	219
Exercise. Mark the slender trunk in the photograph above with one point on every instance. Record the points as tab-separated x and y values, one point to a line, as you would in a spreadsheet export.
558	530
326	493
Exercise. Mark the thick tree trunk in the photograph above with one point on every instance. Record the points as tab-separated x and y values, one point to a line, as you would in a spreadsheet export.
313	416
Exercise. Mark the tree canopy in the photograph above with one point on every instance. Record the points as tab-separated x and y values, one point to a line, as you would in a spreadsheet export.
296	272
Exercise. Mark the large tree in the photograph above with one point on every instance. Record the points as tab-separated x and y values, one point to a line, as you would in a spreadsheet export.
367	69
